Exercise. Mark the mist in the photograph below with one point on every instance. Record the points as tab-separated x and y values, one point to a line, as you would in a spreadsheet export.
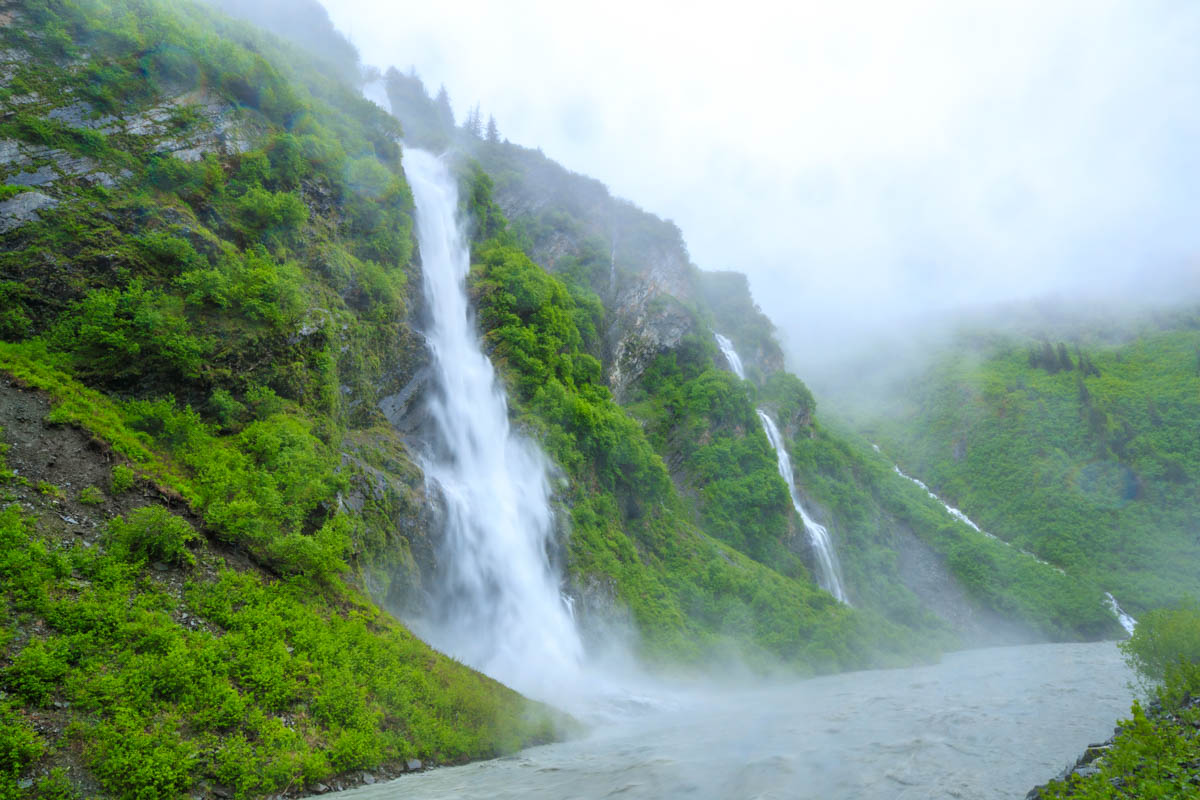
874	168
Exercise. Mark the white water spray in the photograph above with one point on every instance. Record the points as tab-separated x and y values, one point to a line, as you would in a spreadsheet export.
497	604
830	572
1127	622
731	356
963	518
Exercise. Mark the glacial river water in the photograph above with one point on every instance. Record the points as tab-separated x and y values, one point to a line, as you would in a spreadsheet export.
988	723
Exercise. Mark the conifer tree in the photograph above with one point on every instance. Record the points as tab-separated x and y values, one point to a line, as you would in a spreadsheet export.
444	111
493	133
474	123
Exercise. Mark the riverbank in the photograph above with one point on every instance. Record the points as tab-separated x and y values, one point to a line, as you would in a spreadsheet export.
1154	753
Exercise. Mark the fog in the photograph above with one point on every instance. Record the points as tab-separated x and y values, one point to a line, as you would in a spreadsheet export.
871	166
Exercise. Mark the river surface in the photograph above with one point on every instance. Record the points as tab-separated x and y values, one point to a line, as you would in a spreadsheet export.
989	723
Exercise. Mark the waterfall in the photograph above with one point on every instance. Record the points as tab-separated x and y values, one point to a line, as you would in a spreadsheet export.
496	605
1127	622
830	572
731	356
963	518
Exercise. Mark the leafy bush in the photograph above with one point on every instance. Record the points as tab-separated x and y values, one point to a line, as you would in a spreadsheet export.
91	496
1165	650
153	533
121	480
20	746
37	671
121	334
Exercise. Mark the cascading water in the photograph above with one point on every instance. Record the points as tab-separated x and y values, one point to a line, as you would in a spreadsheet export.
497	604
830	572
830	577
731	356
962	517
1127	622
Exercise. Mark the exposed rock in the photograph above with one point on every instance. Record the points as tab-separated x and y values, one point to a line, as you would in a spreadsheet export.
405	410
22	209
649	320
413	764
38	177
10	153
83	115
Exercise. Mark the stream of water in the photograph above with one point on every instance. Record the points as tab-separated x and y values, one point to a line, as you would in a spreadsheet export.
829	571
980	725
497	602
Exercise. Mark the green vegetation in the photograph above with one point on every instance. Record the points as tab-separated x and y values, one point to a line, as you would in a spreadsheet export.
1088	460
245	306
122	479
630	528
91	496
1156	753
250	684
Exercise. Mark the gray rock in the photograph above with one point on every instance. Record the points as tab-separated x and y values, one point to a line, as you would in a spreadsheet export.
22	209
369	779
413	764
10	153
82	115
39	177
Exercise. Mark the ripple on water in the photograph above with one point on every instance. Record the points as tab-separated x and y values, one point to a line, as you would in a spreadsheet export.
982	725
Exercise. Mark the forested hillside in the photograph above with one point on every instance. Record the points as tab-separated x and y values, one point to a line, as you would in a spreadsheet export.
648	317
204	260
1083	448
212	384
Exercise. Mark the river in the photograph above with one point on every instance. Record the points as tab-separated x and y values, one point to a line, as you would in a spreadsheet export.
988	723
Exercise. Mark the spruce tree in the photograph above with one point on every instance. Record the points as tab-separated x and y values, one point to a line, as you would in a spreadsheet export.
444	111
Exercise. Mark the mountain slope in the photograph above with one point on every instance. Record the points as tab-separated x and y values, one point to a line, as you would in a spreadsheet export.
214	238
1083	451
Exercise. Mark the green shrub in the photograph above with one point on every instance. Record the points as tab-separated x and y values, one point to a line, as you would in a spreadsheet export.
121	480
1165	651
20	745
37	671
91	496
153	533
47	489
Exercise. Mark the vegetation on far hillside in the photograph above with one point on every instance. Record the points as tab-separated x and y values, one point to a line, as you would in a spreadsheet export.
1086	454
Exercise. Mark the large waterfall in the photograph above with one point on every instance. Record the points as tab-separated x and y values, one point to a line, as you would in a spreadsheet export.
830	572
497	604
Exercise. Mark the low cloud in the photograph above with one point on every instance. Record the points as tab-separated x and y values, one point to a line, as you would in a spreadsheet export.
870	166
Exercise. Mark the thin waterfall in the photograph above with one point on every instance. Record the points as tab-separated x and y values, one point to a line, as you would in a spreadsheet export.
829	571
496	605
963	518
1127	622
731	356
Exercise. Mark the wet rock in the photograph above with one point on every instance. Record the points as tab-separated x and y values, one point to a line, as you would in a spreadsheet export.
10	153
413	764
22	209
369	779
39	177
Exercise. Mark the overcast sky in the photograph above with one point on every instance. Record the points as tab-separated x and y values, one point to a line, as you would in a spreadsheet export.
863	162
